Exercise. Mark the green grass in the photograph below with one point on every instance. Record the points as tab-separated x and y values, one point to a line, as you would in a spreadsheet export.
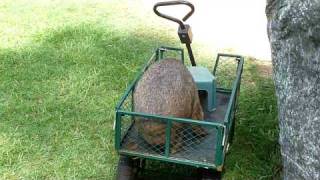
64	66
255	151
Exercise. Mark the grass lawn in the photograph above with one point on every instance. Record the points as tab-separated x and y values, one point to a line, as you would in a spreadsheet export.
64	66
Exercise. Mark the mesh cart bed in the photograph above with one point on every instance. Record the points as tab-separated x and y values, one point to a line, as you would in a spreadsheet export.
201	151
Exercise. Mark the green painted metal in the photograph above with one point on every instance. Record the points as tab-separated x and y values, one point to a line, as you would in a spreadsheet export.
224	55
155	56
181	120
131	86
223	90
170	159
160	51
168	138
222	128
235	87
219	158
117	131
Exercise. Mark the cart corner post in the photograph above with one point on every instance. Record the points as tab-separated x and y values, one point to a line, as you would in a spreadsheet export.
118	130
168	137
219	156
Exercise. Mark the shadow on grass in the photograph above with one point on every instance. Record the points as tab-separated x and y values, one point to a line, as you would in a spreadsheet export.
57	99
255	152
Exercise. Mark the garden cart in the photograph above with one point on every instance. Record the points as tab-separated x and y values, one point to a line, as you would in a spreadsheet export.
207	154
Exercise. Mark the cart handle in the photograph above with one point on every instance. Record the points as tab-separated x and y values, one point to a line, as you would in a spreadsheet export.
171	3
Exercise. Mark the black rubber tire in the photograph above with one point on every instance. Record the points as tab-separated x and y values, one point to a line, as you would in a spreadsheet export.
209	174
126	169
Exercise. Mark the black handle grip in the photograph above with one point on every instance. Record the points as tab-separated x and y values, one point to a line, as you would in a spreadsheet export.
171	3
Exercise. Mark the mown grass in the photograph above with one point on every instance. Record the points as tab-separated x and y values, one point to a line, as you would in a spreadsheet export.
64	66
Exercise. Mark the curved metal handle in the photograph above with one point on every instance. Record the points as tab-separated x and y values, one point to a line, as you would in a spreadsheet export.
171	3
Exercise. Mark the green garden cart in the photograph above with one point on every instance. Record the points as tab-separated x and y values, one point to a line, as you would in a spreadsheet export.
206	154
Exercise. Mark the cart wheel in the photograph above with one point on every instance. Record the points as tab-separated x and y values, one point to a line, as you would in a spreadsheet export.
207	174
127	169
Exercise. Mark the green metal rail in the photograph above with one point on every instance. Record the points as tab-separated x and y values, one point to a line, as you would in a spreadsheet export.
222	129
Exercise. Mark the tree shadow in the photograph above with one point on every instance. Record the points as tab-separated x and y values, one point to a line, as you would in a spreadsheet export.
57	99
255	152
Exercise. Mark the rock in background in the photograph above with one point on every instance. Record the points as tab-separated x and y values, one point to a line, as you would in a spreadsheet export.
294	34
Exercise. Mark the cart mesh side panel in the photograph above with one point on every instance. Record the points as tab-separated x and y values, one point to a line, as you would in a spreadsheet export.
145	135
126	122
183	141
196	143
226	72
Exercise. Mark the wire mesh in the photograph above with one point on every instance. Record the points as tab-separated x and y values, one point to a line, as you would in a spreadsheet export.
127	104
171	54
195	143
147	136
226	72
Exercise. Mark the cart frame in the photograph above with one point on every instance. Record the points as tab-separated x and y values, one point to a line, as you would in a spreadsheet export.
223	129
